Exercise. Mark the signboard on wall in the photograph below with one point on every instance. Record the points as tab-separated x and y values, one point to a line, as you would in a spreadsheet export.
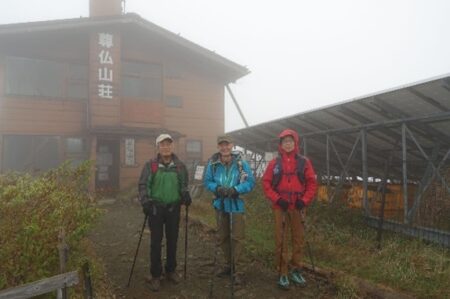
199	170
130	158
105	70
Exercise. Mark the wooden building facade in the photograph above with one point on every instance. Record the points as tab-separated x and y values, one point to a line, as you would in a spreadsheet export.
102	88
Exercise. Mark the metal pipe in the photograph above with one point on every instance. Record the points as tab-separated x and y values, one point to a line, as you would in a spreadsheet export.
237	105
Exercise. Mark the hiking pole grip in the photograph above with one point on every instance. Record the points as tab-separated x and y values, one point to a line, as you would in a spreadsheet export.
186	241
137	250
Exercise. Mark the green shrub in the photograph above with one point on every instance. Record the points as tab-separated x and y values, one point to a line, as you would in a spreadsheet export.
33	210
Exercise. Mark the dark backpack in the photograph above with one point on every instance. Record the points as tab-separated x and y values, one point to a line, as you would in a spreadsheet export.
278	171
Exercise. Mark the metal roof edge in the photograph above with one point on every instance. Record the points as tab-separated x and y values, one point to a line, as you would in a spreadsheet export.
385	91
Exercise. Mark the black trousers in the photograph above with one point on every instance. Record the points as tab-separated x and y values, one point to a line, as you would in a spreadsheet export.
164	219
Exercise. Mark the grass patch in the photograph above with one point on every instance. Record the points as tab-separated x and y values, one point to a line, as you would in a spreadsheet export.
341	240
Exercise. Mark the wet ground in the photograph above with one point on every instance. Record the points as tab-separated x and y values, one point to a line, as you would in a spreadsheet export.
115	239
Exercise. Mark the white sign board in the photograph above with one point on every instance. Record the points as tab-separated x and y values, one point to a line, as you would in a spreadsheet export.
198	175
129	152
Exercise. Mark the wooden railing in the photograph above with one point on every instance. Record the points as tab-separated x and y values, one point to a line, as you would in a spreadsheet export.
42	286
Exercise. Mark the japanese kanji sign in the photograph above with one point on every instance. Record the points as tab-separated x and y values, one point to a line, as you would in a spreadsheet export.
105	71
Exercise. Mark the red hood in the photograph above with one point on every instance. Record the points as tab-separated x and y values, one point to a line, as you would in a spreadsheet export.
289	132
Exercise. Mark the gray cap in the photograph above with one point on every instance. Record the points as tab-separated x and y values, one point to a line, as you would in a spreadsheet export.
224	138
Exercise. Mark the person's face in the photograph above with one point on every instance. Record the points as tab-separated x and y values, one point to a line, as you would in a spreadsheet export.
225	148
288	144
165	148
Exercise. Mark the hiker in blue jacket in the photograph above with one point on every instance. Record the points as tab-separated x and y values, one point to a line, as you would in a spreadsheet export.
228	176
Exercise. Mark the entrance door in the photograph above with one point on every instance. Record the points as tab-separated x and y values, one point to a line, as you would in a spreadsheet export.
107	165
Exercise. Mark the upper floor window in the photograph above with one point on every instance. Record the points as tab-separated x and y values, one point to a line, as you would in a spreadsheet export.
142	80
174	101
194	149
43	78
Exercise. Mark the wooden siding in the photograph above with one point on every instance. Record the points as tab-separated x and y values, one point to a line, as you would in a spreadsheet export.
40	116
139	113
201	116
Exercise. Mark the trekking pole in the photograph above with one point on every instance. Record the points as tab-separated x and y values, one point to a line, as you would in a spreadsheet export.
283	226
186	241
231	250
137	250
211	282
308	246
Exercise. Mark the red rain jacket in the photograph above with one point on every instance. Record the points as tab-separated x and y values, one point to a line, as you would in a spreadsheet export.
290	188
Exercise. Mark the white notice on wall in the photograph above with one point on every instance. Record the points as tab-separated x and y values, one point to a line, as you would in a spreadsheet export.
198	175
129	152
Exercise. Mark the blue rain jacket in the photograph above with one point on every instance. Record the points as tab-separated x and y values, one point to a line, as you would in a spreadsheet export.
218	174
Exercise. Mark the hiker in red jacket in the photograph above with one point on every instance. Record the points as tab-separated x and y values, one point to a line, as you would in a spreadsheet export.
290	183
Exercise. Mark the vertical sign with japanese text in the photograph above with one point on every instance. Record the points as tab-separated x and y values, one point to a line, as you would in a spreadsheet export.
105	71
129	152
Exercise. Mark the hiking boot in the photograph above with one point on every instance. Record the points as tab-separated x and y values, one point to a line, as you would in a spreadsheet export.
297	278
226	271
173	277
154	283
283	282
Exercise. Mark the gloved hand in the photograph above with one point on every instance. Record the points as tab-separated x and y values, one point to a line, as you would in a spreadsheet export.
186	198
147	206
232	192
299	204
284	204
221	192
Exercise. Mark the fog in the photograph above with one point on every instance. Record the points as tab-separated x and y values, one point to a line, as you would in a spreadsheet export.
302	54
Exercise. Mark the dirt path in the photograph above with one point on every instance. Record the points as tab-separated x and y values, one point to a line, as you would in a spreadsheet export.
115	239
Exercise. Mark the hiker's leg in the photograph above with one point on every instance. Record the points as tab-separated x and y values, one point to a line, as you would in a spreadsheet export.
156	223
172	228
278	242
238	238
298	238
223	230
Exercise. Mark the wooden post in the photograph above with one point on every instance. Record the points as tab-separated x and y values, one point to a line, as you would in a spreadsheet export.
63	250
87	281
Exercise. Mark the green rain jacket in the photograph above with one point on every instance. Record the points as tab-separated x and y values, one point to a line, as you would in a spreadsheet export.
163	183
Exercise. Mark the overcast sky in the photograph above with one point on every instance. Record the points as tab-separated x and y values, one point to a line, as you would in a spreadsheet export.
302	54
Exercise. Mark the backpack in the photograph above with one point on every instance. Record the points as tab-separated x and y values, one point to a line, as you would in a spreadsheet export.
154	165
278	171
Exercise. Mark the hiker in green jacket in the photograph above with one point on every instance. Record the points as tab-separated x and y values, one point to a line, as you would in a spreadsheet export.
162	189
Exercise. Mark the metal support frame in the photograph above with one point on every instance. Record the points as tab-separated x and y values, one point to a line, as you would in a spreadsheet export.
405	174
328	168
428	177
345	167
424	183
237	105
364	171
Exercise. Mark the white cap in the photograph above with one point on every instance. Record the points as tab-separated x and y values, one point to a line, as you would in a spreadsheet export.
163	137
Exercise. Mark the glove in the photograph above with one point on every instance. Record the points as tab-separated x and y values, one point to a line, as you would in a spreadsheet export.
299	204
284	204
147	206
221	192
232	192
186	198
